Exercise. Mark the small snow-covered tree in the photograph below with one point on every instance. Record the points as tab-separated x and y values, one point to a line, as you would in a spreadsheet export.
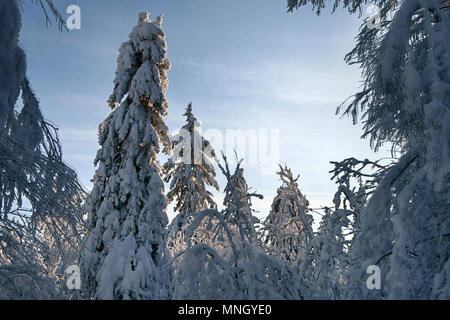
242	270
287	229
190	171
241	218
326	259
125	256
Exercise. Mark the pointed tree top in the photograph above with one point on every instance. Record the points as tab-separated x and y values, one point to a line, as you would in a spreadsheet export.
286	175
159	20
144	17
190	118
188	109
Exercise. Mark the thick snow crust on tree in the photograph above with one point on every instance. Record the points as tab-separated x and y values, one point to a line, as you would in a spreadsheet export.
126	255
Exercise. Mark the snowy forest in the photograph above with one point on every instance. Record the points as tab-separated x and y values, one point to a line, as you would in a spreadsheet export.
389	222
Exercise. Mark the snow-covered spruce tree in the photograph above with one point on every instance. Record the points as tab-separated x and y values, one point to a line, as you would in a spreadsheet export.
242	270
287	230
40	197
190	171
126	255
405	102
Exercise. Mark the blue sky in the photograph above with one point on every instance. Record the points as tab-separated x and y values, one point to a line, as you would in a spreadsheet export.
243	64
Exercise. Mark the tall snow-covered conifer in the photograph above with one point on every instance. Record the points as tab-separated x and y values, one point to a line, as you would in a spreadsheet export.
190	171
125	256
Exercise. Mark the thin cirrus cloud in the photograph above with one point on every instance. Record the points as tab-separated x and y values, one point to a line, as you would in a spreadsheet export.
281	81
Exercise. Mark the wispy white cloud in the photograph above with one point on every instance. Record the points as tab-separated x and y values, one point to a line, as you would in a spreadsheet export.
292	81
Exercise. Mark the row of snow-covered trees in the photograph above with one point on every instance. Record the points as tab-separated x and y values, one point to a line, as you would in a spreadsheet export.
205	252
393	215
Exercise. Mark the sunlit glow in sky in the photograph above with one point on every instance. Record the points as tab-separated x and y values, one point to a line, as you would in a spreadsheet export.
243	64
